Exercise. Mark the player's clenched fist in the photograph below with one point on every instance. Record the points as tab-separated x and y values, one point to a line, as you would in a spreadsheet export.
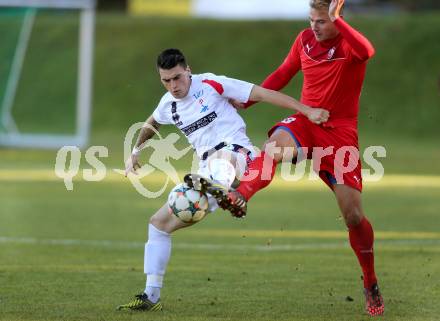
318	115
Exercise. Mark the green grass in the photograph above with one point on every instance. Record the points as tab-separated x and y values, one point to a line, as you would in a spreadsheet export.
76	255
400	95
401	92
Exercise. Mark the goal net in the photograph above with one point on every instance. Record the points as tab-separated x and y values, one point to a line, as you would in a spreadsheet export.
46	72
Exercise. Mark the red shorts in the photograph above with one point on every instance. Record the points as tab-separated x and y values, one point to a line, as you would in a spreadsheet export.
334	150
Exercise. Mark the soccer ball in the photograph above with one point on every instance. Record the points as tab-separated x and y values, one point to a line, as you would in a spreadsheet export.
187	204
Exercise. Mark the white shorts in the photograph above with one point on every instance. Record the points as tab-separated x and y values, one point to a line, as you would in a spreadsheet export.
224	167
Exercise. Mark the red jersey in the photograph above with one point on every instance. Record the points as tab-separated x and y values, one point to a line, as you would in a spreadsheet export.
333	70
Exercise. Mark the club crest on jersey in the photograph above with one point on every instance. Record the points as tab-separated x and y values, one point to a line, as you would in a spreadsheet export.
204	107
331	53
198	94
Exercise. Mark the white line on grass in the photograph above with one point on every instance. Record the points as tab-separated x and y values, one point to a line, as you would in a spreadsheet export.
312	234
207	246
391	180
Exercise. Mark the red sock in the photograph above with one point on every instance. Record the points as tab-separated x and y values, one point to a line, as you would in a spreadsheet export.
361	240
260	173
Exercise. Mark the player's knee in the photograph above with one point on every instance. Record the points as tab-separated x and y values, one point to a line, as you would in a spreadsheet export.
156	220
165	222
352	215
278	157
160	221
271	148
280	148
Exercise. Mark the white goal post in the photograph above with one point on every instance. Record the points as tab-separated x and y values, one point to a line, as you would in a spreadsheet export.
12	137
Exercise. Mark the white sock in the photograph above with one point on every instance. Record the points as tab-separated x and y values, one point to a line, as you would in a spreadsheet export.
153	293
156	257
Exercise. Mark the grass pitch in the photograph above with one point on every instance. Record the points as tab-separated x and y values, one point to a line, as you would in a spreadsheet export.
77	255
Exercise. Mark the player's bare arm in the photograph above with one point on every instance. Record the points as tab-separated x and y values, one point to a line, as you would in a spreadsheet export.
334	10
147	132
315	115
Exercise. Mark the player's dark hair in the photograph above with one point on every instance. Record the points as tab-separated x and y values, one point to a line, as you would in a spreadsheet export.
170	58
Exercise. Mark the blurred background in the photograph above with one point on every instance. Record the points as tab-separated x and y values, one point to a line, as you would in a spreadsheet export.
362	5
400	103
82	72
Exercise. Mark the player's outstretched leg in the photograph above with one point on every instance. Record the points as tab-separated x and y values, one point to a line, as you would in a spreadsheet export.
218	191
259	175
156	258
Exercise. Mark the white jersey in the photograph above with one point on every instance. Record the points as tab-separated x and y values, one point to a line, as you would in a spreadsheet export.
205	116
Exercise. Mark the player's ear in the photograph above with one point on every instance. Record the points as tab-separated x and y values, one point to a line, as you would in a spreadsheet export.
188	68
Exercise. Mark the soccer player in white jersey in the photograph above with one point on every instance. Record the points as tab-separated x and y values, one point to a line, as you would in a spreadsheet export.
199	106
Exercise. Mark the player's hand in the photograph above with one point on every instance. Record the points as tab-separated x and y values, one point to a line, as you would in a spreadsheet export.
132	164
318	115
236	104
334	10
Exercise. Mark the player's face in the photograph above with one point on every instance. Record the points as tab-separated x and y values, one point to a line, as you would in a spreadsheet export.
321	25
176	80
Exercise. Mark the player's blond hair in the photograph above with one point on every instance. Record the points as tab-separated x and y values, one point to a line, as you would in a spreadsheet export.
321	4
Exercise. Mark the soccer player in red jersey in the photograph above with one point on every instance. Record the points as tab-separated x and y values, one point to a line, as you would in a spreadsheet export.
332	57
